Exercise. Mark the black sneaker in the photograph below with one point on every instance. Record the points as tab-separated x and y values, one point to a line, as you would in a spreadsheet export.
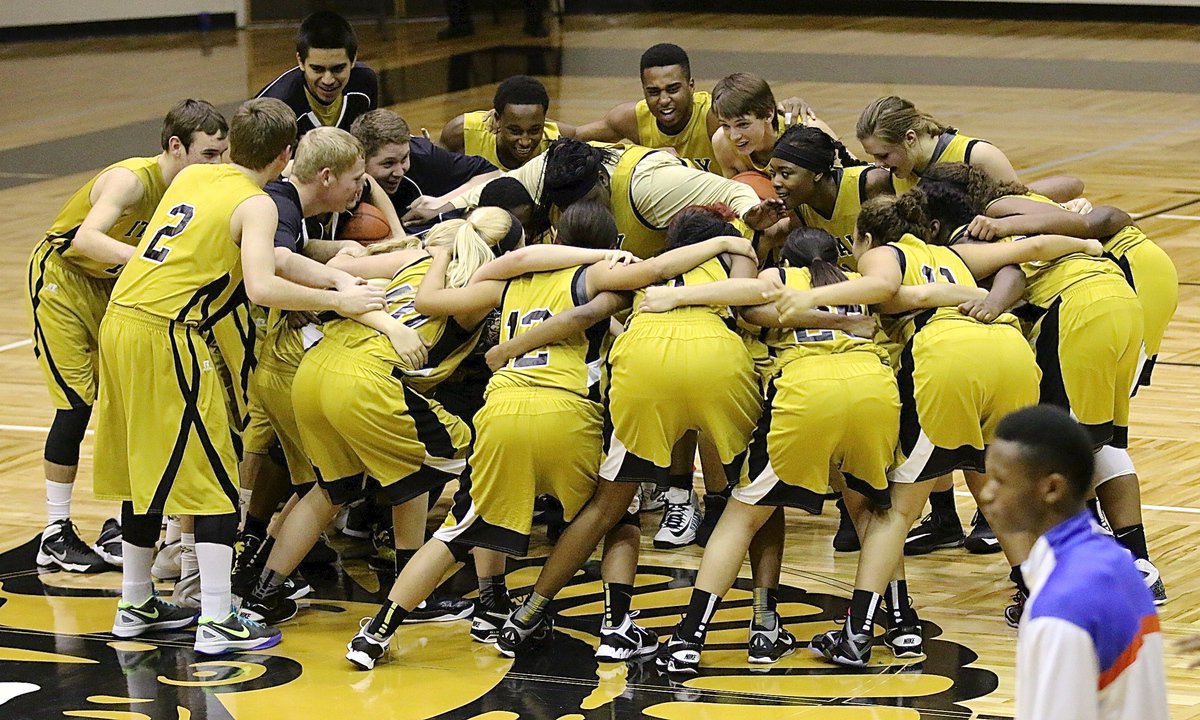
843	647
322	553
441	608
906	639
714	505
358	520
216	637
1013	613
365	650
61	546
108	544
515	637
248	565
154	614
932	534
679	657
625	641
487	621
846	537
768	646
982	540
270	605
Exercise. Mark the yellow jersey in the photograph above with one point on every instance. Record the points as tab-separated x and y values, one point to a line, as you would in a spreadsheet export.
788	344
128	229
449	343
188	267
951	148
710	271
1127	238
283	345
571	364
479	137
693	143
852	193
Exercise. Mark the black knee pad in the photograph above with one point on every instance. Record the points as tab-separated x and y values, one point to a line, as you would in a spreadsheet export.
217	529
66	434
139	530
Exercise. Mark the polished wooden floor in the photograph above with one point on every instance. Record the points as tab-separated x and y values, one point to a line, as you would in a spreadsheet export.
1114	104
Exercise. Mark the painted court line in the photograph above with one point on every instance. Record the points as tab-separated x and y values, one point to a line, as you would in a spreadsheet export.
1164	508
15	345
1180	217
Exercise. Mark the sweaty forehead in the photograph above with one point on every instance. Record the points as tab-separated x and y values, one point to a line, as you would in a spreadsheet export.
661	77
327	57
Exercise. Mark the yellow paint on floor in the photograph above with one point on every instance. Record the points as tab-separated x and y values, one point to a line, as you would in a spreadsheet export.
611	683
110	700
61	615
22	655
828	686
669	598
725	711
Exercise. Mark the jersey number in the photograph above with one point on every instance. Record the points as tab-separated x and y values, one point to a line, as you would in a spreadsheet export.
528	320
927	273
155	254
409	307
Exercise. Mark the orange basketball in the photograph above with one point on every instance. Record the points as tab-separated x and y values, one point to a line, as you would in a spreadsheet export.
367	225
760	182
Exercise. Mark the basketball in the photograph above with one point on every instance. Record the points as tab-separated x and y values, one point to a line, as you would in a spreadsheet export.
760	182
367	225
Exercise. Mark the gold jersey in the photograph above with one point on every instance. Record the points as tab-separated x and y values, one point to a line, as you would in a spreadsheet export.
448	342
693	143
1126	239
479	138
128	229
571	364
789	344
852	193
188	267
282	345
1046	281
710	271
951	148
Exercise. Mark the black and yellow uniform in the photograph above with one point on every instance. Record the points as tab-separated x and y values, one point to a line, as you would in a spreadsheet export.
69	291
360	94
164	435
832	403
693	143
1154	279
951	147
852	193
360	409
539	432
479	137
271	396
951	402
677	371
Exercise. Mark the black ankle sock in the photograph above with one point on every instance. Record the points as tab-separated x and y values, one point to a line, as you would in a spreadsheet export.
387	620
1134	540
701	609
1018	579
862	611
255	527
617	598
683	481
402	558
942	504
493	592
897	600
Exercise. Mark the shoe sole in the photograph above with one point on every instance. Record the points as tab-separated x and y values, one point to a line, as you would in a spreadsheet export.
506	652
357	534
446	617
234	645
108	557
489	639
925	550
640	652
840	660
982	547
360	660
667	545
847	548
131	632
767	659
301	593
49	561
906	654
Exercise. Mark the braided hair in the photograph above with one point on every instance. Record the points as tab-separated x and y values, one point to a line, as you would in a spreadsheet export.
812	149
572	169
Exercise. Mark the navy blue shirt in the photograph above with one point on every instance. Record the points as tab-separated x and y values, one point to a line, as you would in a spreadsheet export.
361	94
435	171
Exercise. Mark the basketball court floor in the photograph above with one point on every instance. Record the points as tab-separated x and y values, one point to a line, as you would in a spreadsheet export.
1115	104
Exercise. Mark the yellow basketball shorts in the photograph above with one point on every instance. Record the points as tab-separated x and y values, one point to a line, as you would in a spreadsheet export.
840	411
356	418
957	380
681	374
271	397
237	338
530	442
1154	278
1087	346
66	307
164	436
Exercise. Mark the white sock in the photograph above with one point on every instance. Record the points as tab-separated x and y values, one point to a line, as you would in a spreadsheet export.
244	496
58	501
173	531
136	585
678	496
187	555
216	566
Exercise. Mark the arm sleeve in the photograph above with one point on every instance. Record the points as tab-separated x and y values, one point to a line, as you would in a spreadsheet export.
1058	672
529	175
667	188
454	169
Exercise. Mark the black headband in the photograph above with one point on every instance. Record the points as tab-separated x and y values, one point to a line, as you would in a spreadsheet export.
804	157
511	238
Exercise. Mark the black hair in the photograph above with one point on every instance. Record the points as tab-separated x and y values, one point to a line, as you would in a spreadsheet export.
588	224
948	203
888	218
520	90
505	192
326	30
1051	442
572	169
978	184
813	142
816	250
664	55
697	223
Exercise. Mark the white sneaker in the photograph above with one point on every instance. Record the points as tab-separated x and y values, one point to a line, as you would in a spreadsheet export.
680	521
167	562
187	591
1152	579
625	641
651	499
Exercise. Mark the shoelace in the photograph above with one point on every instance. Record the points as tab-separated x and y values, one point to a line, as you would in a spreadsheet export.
675	518
70	535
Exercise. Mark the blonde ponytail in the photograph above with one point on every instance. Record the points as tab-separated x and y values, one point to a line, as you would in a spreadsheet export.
405	242
472	240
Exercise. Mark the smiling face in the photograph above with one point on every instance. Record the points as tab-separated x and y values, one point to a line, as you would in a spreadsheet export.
204	148
389	165
345	189
326	71
749	133
668	92
896	158
519	132
793	184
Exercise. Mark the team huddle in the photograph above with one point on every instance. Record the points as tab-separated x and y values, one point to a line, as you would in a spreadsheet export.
566	316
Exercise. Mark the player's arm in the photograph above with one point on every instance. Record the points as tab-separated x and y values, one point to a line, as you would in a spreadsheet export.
544	258
381	265
559	327
619	123
879	182
253	224
565	129
452	137
529	175
661	268
308	272
112	195
1059	188
1100	222
435	299
726	156
1008	287
384	206
881	278
323	251
931	295
985	259
470	183
407	342
993	163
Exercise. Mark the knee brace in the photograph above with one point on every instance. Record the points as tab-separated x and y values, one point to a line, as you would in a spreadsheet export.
139	530
1112	463
217	529
66	435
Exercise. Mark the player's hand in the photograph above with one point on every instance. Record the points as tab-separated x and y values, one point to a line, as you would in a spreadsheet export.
297	319
409	346
659	300
795	111
347	281
1093	247
862	326
437	252
352	248
987	229
620	257
497	357
765	214
981	309
790	303
359	299
423	209
735	245
1078	205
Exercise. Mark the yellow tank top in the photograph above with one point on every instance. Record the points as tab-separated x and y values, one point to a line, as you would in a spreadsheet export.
710	271
951	147
852	193
1046	281
479	138
693	143
571	364
128	228
187	267
634	232
448	343
794	343
1125	240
